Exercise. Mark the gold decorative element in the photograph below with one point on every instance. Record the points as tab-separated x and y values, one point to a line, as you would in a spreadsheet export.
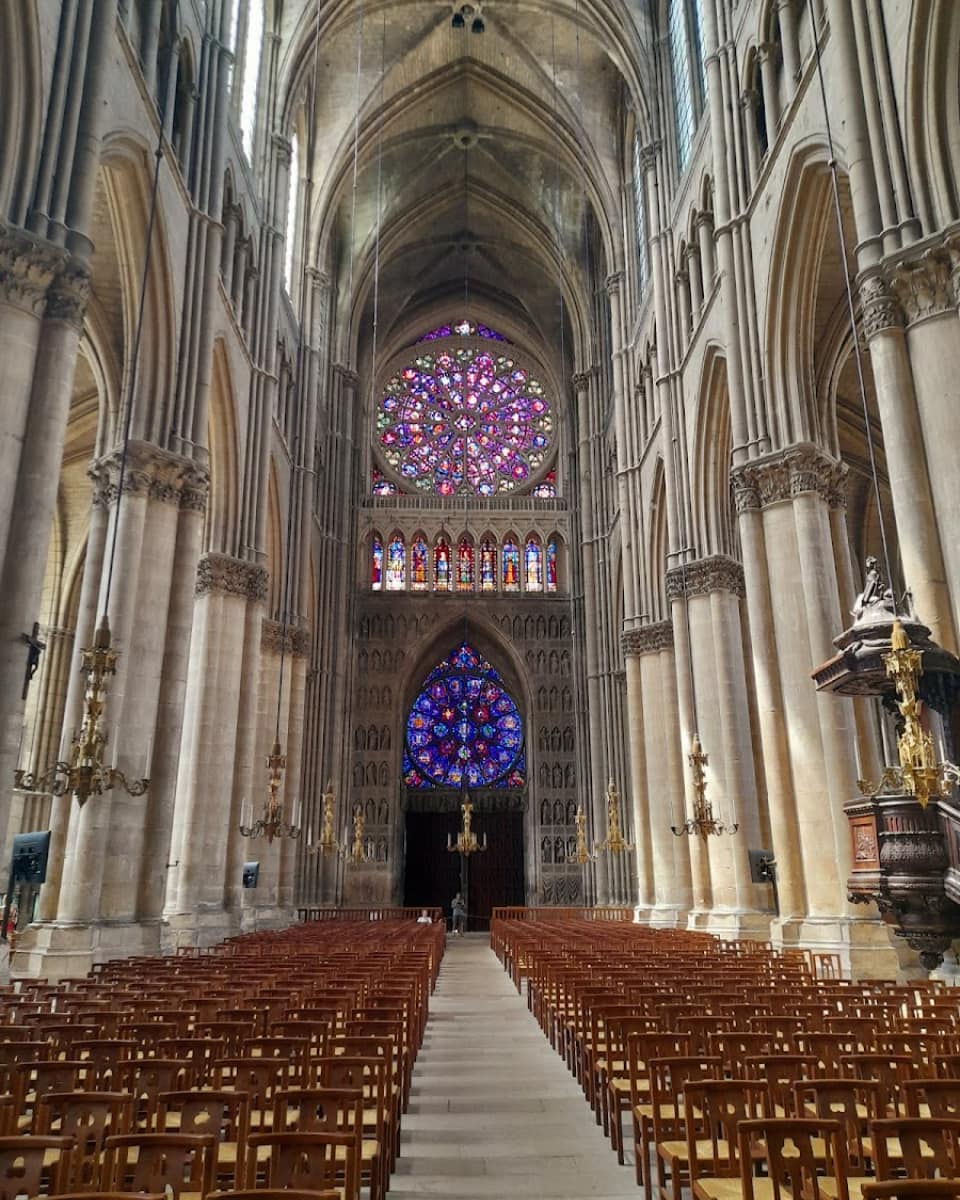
328	843
614	842
358	854
919	774
84	774
467	842
703	823
271	824
582	855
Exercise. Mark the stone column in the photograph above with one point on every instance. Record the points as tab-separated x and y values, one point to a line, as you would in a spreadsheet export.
908	470
42	355
929	290
206	805
636	787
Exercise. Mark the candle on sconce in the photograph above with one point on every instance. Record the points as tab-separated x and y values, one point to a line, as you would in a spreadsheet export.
245	815
296	811
116	743
148	758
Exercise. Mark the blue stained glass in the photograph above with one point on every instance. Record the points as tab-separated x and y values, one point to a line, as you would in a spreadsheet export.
464	727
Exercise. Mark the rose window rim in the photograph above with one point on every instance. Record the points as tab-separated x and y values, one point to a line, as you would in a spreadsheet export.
407	357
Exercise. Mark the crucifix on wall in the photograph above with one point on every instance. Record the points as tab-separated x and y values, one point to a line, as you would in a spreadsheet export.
34	649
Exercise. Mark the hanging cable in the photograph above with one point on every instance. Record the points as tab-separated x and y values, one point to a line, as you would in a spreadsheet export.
851	304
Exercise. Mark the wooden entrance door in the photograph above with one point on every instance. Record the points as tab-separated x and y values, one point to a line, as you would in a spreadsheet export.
494	877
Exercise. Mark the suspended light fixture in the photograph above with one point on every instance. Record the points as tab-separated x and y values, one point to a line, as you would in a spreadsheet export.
467	842
328	843
582	855
358	853
614	842
703	823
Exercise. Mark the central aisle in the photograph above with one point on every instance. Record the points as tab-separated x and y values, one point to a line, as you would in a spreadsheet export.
493	1110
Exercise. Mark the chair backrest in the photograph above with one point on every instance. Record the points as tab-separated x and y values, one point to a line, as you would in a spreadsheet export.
312	1161
890	1071
780	1072
924	1147
318	1110
842	1100
941	1096
89	1118
714	1109
146	1078
34	1165
668	1080
792	1157
224	1115
912	1189
160	1162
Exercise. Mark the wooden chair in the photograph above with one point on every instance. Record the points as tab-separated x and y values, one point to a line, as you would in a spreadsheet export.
146	1078
256	1194
291	1160
792	1150
368	1075
333	1110
852	1102
667	1126
890	1071
714	1109
642	1048
224	1115
174	1163
33	1166
89	1118
781	1072
932	1097
922	1147
260	1078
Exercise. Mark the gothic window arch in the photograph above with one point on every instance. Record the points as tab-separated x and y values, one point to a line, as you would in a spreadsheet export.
687	71
465	564
376	562
250	75
533	564
464	728
442	574
395	568
487	573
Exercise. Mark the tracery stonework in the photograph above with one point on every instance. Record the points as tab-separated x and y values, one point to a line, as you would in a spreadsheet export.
295	639
789	473
648	639
703	576
227	576
151	472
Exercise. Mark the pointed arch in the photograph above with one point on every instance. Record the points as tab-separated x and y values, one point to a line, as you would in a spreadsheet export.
713	505
222	516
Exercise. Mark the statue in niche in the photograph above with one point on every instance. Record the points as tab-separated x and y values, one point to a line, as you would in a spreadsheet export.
545	812
560	850
546	851
876	599
383	813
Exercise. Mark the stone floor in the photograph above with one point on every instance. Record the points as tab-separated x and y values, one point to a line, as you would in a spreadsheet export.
494	1111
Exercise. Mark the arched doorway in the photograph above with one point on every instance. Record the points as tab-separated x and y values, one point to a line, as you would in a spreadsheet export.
464	733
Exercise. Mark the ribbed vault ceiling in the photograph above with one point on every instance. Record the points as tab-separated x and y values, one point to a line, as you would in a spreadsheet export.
478	155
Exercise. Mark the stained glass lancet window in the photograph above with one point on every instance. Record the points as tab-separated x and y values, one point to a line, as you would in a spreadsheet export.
488	564
678	35
418	564
640	216
465	420
396	564
548	488
551	564
376	563
441	565
253	45
465	564
464	728
380	485
533	565
511	565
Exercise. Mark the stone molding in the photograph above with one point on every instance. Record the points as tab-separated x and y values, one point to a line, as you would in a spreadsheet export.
704	576
648	639
295	640
648	156
348	377
927	287
41	278
153	473
226	576
787	474
581	379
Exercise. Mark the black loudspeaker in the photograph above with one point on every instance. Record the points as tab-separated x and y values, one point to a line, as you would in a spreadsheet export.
251	874
762	866
30	851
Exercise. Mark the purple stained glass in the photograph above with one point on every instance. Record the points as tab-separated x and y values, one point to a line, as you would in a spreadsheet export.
465	420
548	488
381	486
462	328
464	728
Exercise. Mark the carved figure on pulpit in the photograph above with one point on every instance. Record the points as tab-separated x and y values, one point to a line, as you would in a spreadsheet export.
876	598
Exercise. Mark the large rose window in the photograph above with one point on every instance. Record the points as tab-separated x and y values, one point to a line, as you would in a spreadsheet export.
463	729
465	420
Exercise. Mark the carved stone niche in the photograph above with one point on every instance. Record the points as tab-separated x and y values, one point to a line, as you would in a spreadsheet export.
905	860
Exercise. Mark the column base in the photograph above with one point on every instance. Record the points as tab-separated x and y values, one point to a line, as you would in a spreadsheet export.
55	951
642	914
668	916
731	924
865	947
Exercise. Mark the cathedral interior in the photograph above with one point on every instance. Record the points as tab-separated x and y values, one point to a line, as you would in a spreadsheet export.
547	402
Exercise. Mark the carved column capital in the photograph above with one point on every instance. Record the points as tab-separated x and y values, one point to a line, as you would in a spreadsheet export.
703	576
581	379
648	639
880	307
227	576
28	267
786	474
295	639
648	156
613	281
151	472
925	287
